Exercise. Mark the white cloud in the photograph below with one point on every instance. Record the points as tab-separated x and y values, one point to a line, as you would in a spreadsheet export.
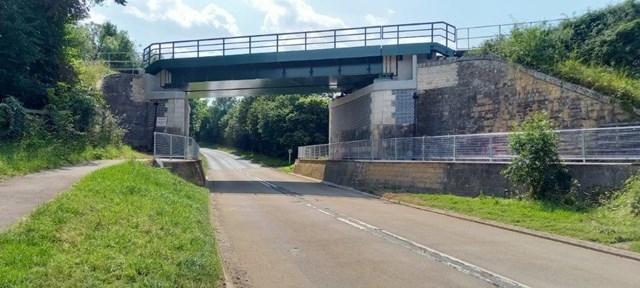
391	12
184	15
95	17
374	21
293	15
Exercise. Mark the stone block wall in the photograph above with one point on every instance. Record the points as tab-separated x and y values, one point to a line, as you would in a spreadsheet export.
125	97
486	94
458	178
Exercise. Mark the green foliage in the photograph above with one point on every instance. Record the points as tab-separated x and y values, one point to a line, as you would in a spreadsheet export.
268	125
32	49
610	81
537	168
600	49
128	225
12	119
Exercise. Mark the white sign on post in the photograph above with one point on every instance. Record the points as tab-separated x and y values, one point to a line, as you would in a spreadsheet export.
161	122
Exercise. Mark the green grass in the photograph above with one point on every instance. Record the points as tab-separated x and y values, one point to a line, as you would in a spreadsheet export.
125	225
612	223
265	160
34	155
605	80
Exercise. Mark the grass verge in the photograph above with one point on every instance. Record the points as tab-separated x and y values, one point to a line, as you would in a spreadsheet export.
125	225
261	159
32	156
612	223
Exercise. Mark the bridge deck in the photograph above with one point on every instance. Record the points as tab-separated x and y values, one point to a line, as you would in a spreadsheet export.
345	54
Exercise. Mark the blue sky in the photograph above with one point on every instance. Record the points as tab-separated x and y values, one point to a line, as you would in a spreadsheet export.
149	21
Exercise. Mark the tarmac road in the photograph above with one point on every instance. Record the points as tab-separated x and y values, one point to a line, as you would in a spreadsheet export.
281	230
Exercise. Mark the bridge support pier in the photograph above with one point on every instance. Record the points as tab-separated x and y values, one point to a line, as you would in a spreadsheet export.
172	114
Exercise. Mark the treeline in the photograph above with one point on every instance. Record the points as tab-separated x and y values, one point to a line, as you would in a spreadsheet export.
51	63
268	125
48	64
599	50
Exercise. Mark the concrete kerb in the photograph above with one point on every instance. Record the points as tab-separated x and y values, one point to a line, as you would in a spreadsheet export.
557	238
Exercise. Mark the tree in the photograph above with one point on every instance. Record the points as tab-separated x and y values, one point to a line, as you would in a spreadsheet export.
537	168
32	34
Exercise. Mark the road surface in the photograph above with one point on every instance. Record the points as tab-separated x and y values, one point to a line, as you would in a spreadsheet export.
281	230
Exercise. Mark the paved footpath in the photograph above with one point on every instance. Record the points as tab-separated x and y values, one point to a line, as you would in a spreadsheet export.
20	195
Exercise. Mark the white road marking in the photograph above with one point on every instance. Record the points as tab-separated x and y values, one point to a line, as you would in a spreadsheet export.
459	265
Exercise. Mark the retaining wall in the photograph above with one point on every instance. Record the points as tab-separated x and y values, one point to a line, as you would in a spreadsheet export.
458	178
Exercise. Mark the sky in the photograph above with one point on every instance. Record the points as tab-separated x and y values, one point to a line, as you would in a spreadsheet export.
149	21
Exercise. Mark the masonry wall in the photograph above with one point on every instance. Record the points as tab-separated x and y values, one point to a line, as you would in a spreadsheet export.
486	94
463	179
125	99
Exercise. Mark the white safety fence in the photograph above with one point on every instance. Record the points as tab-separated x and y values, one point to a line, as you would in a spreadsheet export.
579	145
169	146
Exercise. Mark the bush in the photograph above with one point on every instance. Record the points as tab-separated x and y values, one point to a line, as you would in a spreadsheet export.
12	119
537	169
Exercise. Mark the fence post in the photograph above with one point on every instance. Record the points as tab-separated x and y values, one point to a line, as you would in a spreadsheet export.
454	148
170	147
395	148
584	150
491	148
423	148
155	143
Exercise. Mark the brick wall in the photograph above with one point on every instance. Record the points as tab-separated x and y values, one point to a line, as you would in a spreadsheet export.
486	94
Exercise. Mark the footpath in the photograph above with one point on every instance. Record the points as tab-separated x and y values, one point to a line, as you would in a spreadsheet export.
19	196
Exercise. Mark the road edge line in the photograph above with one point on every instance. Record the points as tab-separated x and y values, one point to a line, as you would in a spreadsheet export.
544	235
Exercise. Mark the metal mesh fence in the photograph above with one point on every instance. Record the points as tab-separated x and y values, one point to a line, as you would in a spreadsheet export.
174	147
580	145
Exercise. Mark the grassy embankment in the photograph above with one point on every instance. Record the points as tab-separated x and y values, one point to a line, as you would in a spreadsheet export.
125	225
31	156
265	160
614	222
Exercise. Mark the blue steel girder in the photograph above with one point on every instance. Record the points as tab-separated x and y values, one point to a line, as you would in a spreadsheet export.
336	62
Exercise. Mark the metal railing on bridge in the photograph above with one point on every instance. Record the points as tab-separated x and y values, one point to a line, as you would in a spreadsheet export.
429	32
580	145
169	146
469	38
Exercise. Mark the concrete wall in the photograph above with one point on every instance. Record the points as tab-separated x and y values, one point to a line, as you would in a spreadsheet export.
463	179
384	109
487	94
189	170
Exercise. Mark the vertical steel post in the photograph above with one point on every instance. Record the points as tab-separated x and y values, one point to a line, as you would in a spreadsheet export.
398	34
170	147
334	39
432	33
491	148
173	50
423	138
584	150
277	42
446	35
395	148
223	46
155	143
365	36
160	54
454	148
198	48
250	44
468	39
305	41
